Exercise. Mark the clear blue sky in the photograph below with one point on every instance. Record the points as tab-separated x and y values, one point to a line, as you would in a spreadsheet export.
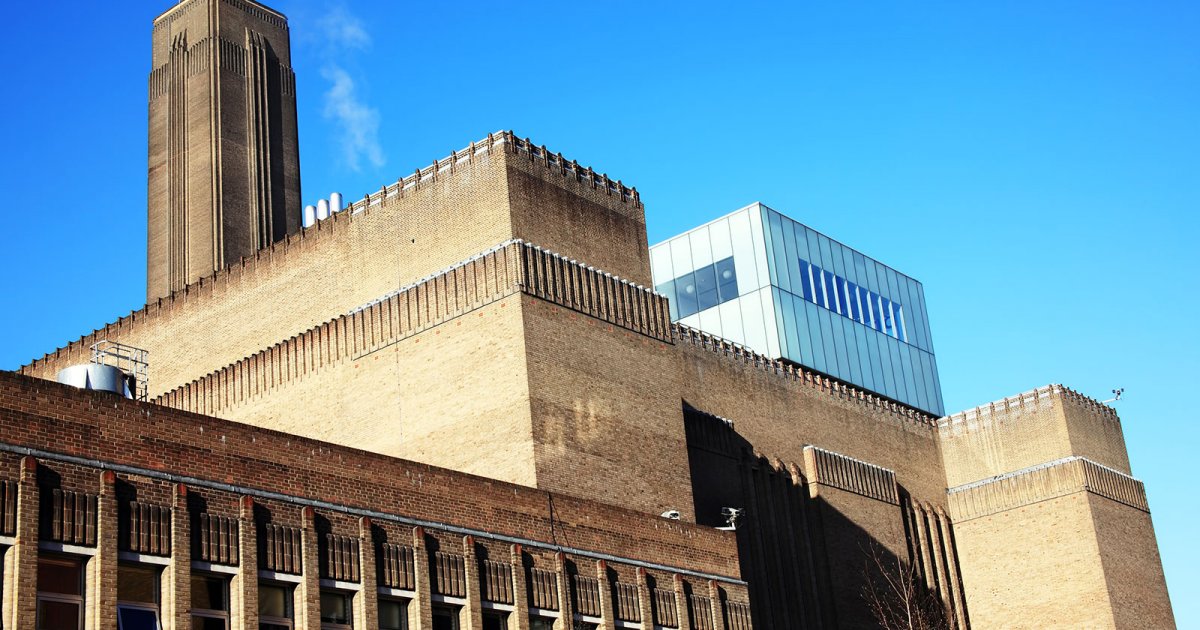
1035	164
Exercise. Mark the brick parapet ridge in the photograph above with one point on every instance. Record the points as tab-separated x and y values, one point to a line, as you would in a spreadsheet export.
831	386
1024	401
827	468
507	269
1045	481
338	225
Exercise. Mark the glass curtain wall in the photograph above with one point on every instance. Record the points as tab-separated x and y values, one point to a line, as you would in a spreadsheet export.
758	278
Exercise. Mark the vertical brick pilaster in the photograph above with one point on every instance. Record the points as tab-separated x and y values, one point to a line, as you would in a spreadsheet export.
246	584
714	601
24	583
681	603
645	599
606	596
422	615
308	593
177	577
520	588
566	607
474	608
959	620
366	605
101	600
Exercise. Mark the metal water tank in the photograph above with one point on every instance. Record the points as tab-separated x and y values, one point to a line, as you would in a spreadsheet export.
97	376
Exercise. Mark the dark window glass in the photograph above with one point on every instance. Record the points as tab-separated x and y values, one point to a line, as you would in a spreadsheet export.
208	623
209	593
335	607
132	618
393	615
137	583
706	286
840	284
445	618
493	620
685	288
806	282
873	310
852	299
262	625
60	575
830	291
54	615
541	623
726	279
274	601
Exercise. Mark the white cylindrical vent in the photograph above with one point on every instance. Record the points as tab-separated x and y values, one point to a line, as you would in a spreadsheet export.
310	215
322	210
335	202
97	376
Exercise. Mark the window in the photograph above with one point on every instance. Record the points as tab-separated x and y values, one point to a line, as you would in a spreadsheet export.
542	623
841	296
336	611
495	620
210	602
701	289
274	607
137	597
393	614
445	618
59	592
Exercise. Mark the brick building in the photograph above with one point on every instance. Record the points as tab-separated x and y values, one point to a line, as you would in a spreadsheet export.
498	425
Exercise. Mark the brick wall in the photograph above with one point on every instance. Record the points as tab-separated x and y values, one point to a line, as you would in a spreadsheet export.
112	431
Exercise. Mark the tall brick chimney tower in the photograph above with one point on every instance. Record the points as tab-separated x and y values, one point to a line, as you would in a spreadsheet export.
224	168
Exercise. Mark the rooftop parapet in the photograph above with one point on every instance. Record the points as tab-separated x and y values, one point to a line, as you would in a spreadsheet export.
786	369
1027	400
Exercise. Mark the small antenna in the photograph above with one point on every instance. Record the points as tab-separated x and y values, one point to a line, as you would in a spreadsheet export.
1116	396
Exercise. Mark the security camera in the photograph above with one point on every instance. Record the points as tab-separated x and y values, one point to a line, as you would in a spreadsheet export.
671	514
732	516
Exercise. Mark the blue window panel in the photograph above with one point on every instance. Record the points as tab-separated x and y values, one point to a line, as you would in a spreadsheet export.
801	235
873	317
889	371
826	260
918	370
851	354
937	384
685	288
790	258
830	290
791	341
727	287
864	357
818	340
901	333
904	375
831	354
803	308
889	324
806	281
852	310
706	287
880	383
839	343
843	299
776	255
668	289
